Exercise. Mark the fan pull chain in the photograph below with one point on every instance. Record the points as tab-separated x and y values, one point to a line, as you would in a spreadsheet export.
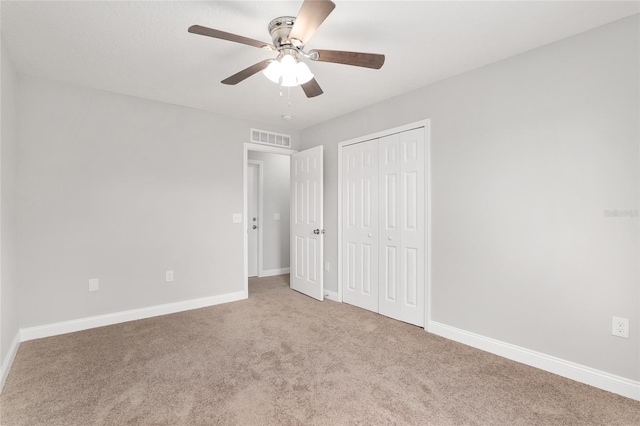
288	96
287	115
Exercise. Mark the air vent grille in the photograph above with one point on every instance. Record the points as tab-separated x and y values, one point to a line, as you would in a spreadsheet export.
270	138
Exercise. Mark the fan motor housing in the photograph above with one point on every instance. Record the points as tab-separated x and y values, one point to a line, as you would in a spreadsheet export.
280	28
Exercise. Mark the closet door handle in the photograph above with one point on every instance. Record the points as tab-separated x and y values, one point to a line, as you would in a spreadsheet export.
390	237
370	235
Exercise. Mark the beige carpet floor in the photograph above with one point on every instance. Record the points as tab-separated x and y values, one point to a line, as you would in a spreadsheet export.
282	358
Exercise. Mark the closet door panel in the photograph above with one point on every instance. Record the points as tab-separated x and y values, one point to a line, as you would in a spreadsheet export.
412	226
360	224
389	267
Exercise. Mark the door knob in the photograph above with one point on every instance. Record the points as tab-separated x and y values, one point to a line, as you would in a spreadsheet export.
255	227
370	235
254	219
390	238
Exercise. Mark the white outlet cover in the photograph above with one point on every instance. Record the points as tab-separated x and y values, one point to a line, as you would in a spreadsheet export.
169	276
237	218
94	284
620	327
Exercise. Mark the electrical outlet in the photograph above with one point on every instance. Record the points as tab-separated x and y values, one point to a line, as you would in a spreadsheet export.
620	327
169	276
94	284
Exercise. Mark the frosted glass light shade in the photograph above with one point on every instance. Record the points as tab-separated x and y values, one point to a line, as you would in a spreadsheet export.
303	73
288	62
273	71
288	71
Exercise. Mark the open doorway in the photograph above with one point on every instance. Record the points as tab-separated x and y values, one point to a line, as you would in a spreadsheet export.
267	208
306	218
267	214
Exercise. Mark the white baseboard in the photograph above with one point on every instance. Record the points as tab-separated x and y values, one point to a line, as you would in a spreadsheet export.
561	367
64	327
331	295
8	362
274	272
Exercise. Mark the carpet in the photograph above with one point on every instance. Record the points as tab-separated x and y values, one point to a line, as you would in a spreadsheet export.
282	358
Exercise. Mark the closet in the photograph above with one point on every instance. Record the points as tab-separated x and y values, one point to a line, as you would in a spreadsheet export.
383	225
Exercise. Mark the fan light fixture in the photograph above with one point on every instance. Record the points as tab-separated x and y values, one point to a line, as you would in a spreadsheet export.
288	71
290	35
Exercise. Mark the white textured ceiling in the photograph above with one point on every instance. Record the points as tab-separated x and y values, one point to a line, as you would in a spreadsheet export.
143	49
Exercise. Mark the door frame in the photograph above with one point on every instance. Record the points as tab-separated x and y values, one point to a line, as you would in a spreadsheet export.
426	123
245	161
260	188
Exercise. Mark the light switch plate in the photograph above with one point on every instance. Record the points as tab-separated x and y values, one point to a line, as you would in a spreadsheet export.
276	216
237	218
94	284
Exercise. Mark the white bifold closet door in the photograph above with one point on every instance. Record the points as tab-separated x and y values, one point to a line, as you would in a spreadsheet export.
360	225
384	225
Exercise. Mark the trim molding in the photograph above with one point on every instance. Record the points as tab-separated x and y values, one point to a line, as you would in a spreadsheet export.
561	367
71	326
332	295
274	272
8	362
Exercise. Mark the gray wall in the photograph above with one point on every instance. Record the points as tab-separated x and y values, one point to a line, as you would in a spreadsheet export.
275	246
527	154
8	142
123	189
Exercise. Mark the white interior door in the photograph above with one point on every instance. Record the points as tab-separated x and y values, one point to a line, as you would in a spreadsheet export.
306	222
402	226
253	223
360	224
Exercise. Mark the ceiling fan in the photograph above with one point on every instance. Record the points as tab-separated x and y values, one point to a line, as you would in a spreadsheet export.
290	35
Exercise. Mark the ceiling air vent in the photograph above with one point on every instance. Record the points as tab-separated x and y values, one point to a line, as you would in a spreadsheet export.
270	138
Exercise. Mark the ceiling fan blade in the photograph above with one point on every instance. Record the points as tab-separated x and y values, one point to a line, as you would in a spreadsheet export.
210	32
312	88
358	59
247	72
311	15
